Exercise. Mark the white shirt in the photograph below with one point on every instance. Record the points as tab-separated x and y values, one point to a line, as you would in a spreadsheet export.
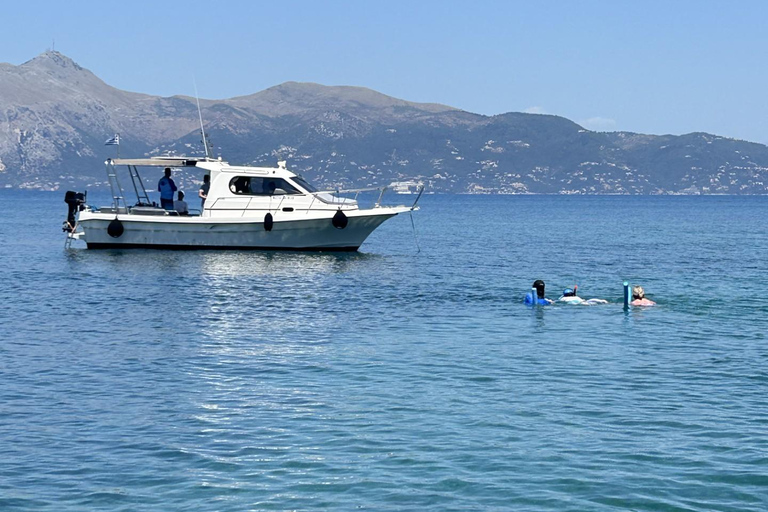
180	206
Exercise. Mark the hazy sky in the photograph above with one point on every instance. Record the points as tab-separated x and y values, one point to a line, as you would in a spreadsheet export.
671	66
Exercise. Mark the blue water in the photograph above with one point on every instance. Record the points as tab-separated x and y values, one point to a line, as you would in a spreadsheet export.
392	379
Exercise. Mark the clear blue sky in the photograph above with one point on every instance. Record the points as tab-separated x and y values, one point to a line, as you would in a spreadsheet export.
652	66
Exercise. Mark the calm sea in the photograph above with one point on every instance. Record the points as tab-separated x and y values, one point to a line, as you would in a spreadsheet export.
392	379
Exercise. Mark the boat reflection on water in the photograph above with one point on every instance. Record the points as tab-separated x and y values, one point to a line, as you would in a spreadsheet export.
275	302
219	264
279	264
245	299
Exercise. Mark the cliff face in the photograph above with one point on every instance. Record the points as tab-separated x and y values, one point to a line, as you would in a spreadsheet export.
56	115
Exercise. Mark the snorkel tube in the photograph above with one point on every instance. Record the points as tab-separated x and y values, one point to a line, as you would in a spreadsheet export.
626	295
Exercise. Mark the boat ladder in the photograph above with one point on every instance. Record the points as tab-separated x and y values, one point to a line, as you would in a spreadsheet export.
141	192
115	188
73	235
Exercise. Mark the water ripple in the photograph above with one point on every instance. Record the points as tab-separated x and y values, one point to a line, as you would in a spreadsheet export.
390	380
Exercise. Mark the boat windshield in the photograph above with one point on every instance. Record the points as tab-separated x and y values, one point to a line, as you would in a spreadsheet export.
304	184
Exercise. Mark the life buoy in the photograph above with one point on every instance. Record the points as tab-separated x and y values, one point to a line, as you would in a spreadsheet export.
339	220
268	222
115	228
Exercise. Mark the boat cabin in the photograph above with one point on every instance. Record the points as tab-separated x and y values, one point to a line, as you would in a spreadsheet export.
234	190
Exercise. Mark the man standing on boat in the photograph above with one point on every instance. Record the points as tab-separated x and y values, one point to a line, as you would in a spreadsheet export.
166	187
203	192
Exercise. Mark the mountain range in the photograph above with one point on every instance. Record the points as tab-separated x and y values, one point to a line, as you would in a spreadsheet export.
57	115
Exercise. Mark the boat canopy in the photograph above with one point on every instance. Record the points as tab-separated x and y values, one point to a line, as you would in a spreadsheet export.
160	161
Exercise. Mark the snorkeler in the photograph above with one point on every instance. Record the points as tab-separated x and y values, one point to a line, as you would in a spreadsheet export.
569	296
638	297
540	298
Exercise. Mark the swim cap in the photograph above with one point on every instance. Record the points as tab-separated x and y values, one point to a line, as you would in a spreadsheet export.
569	292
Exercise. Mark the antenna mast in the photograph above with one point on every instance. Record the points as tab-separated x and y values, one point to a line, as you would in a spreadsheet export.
200	113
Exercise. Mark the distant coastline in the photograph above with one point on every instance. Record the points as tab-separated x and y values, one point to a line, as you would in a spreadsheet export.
59	115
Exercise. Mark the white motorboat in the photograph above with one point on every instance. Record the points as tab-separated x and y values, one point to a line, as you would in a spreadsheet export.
247	208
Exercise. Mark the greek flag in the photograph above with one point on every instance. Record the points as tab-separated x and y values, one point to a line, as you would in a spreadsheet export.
114	141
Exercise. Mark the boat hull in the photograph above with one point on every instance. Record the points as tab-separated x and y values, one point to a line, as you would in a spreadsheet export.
317	234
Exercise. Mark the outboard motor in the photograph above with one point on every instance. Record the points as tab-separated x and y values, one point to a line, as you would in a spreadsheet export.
76	202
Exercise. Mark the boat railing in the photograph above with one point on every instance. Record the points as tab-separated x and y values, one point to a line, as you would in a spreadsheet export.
145	210
332	196
324	195
111	209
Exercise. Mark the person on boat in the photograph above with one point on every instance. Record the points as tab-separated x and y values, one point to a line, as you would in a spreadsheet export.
166	187
203	192
240	185
180	205
540	296
638	297
569	296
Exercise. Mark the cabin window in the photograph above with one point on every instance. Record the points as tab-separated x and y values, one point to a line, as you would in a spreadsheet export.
253	186
303	183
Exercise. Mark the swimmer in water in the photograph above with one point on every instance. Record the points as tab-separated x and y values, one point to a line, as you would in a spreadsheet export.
638	297
569	296
540	297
